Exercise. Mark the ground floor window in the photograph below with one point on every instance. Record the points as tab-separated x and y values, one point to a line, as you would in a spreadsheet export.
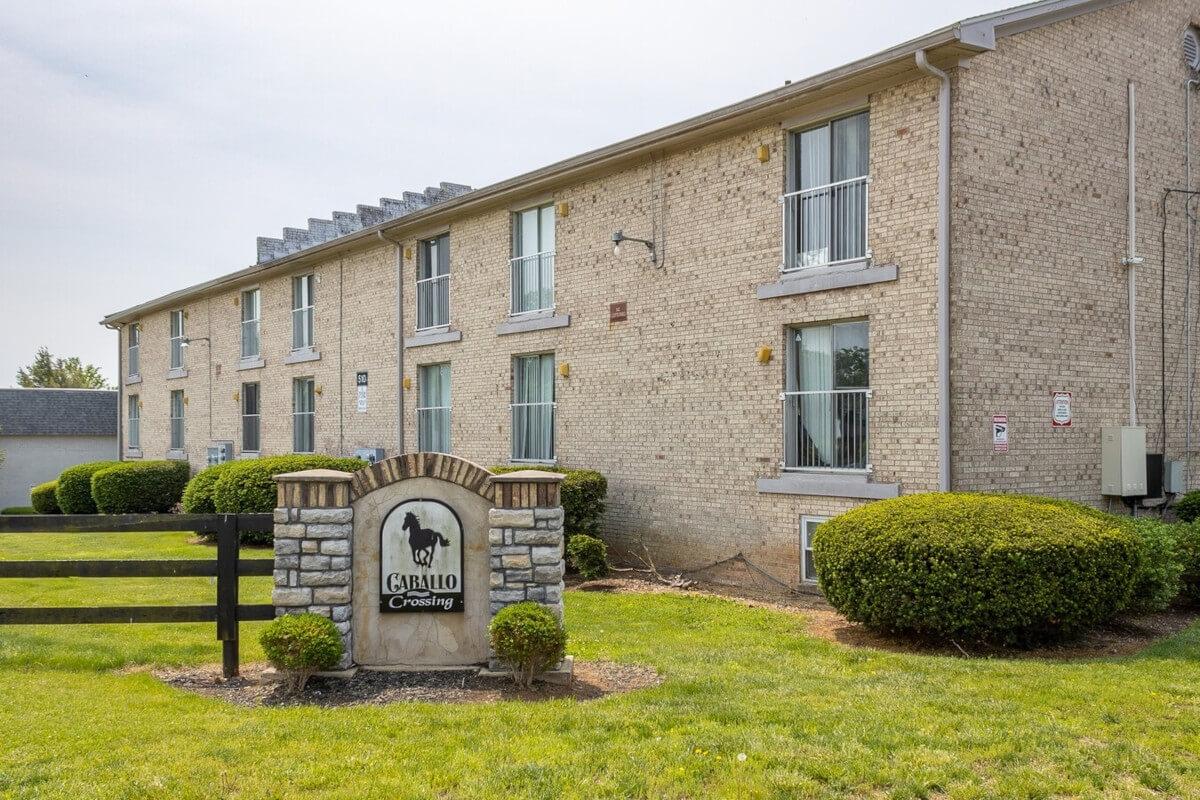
251	418
135	422
177	419
826	397
433	413
808	569
533	408
304	416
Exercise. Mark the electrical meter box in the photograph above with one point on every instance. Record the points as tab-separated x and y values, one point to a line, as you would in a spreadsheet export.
371	455
1123	461
220	452
1174	481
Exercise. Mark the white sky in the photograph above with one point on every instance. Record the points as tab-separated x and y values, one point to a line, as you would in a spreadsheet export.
145	144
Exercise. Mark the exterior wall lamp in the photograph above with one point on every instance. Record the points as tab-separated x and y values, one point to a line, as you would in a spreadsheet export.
619	236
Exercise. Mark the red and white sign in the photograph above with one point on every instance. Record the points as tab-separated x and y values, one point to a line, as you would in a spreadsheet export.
1000	433
1060	412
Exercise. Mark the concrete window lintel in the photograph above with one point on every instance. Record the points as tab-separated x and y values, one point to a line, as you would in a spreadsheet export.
521	324
300	356
804	282
828	485
426	339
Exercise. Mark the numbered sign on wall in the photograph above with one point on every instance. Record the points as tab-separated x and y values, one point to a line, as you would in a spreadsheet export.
421	558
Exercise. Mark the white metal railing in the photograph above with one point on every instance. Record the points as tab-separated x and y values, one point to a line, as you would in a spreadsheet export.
826	225
433	302
176	433
135	361
433	429
826	430
532	282
533	431
302	327
250	343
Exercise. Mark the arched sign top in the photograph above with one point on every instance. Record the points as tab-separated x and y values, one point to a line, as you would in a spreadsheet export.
441	466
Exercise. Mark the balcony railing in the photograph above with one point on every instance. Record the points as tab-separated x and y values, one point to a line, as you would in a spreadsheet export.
533	431
433	429
532	283
825	225
433	302
826	430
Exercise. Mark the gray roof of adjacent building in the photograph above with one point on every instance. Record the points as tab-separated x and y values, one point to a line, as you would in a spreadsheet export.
58	412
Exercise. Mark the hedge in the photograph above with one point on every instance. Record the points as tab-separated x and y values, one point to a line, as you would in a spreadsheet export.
248	487
198	496
43	498
74	492
1187	507
583	493
140	487
1187	547
1010	570
17	510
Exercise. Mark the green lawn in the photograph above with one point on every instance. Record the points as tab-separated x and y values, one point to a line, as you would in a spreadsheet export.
814	719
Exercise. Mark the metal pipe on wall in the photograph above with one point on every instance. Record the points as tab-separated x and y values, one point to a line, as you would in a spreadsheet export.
1188	86
1132	259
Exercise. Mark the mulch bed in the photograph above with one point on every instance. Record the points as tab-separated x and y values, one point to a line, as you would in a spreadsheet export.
591	680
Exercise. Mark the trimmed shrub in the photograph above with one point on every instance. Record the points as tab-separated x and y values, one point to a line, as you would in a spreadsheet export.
300	644
44	499
1157	579
1187	549
588	556
529	639
1011	570
1187	507
74	490
198	496
139	487
248	487
17	510
583	493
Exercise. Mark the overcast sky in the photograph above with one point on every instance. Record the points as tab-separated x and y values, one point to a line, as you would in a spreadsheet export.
145	144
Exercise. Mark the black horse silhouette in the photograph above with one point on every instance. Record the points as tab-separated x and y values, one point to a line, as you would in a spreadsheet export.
423	541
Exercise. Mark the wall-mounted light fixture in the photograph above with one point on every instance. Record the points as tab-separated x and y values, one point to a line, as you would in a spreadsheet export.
763	356
564	369
237	396
319	390
764	153
408	254
564	209
619	236
407	382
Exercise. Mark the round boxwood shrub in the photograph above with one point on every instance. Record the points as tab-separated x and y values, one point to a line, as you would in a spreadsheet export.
583	493
1157	580
529	639
300	644
1187	507
17	510
139	487
43	498
198	496
248	487
74	490
588	556
1010	570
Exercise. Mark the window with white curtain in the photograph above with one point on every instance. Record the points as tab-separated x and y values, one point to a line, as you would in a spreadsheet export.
135	351
825	211
251	418
302	311
134	422
533	260
433	411
304	416
433	283
826	397
251	311
178	335
808	526
533	408
177	406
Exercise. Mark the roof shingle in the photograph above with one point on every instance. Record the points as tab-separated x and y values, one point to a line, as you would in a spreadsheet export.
58	412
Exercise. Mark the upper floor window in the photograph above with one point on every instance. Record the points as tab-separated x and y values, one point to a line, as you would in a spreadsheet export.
825	402
433	283
134	358
433	413
178	339
533	408
302	311
533	260
251	418
177	405
825	210
304	416
251	312
134	420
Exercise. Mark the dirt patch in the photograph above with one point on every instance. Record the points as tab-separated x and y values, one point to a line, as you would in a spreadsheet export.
1125	635
591	680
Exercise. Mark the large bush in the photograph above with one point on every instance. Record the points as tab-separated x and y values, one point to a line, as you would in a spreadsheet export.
1012	570
528	638
1187	508
139	487
198	496
248	487
43	498
588	555
1157	580
583	492
1187	545
16	511
74	490
300	644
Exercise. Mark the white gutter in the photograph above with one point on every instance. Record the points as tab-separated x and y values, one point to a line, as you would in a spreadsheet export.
1132	259
943	279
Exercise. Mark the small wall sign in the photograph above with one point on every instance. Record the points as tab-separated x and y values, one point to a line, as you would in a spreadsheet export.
1000	433
618	312
1060	412
421	559
360	382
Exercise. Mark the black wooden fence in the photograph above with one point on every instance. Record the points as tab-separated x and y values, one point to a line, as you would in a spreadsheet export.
227	568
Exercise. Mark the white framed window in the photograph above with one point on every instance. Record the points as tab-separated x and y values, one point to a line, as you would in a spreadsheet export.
532	263
433	412
251	314
134	422
808	568
304	416
825	209
433	283
251	418
177	407
303	300
533	408
178	336
826	398
134	352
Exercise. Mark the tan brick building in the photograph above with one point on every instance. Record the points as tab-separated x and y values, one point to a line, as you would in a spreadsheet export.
730	400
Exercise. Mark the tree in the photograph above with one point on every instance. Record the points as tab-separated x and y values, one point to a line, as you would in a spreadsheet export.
47	372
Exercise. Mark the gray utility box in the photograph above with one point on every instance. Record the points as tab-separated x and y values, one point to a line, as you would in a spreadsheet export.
1123	461
219	453
371	455
1174	481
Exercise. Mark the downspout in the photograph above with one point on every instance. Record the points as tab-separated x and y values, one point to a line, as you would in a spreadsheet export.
1132	259
399	340
943	280
120	395
1188	86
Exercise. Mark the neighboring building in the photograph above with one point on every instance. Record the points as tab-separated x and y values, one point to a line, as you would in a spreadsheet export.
43	431
817	321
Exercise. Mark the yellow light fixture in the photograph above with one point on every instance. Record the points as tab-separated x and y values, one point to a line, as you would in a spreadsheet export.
564	209
318	391
237	300
408	254
764	355
237	396
185	399
564	369
407	382
764	153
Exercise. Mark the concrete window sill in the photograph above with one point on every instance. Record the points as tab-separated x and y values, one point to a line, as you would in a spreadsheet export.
826	485
301	356
133	452
248	454
251	363
433	337
180	372
532	322
177	455
133	379
821	280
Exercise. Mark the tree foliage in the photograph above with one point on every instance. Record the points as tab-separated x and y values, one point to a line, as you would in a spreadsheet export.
47	372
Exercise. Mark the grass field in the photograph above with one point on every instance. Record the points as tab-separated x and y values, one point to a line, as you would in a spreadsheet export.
814	719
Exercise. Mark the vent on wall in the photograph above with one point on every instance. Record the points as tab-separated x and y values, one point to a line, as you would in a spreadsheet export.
1191	49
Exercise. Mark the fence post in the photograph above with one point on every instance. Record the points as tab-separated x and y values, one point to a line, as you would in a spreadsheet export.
227	594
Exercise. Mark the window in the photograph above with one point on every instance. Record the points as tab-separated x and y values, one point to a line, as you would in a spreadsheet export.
302	311
134	425
433	283
251	418
533	260
177	405
304	416
251	311
433	412
135	349
177	339
825	211
825	404
533	408
808	569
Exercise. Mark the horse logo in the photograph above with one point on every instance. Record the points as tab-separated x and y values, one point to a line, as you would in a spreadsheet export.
423	541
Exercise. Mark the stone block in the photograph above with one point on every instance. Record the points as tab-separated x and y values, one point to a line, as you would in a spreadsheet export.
495	562
546	555
510	518
314	562
337	516
341	613
329	578
518	575
332	595
339	562
287	547
287	562
496	580
549	514
329	531
310	546
290	531
281	577
291	597
515	561
554	593
335	547
281	516
506	595
547	574
495	536
535	593
544	537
